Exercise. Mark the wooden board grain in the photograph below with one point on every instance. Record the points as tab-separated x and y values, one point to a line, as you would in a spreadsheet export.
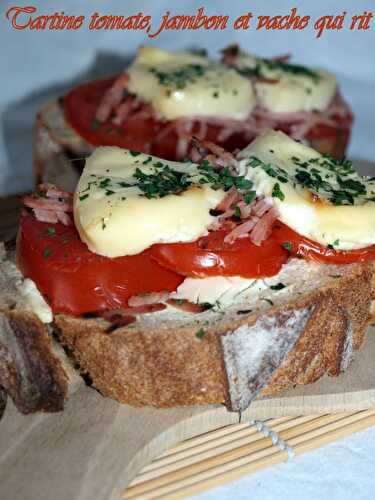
96	447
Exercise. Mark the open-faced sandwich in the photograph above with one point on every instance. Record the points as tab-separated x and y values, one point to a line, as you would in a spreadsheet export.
181	283
164	98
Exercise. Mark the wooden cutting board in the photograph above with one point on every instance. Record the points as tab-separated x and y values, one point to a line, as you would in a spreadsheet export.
96	446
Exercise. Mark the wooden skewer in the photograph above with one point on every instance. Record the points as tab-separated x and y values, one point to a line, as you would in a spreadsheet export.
163	490
214	448
197	445
212	435
334	427
196	466
333	435
260	449
212	478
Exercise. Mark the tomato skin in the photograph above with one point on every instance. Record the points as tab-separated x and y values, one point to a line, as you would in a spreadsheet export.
311	250
75	280
80	106
210	256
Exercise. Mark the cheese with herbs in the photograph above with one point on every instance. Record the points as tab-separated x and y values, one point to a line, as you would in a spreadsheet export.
126	201
189	85
284	87
320	198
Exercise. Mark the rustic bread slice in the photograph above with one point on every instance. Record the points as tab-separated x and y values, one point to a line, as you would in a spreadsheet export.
173	358
33	370
267	341
57	148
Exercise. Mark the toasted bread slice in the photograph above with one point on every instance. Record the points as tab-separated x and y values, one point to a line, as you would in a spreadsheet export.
265	342
34	370
58	151
172	358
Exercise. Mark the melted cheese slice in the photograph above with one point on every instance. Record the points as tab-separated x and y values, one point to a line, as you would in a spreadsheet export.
318	198
292	88
188	85
220	291
115	218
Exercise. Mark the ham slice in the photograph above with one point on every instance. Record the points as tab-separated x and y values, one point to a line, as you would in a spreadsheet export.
50	204
112	98
263	227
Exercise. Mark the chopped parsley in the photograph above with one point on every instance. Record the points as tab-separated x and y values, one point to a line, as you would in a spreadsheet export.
95	124
104	183
249	197
46	252
336	180
336	243
180	77
267	300
279	286
277	193
162	182
200	333
83	197
260	68
206	305
222	178
244	311
287	245
295	69
50	231
134	153
237	211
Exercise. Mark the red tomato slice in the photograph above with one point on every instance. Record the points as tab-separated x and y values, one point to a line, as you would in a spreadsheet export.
75	280
80	107
210	256
330	140
308	249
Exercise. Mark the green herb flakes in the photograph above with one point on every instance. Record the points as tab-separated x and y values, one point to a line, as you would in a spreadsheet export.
267	300
277	193
200	333
95	124
279	286
244	311
179	78
50	231
287	245
249	197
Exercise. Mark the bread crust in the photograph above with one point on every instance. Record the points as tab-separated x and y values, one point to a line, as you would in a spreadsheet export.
30	371
166	367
